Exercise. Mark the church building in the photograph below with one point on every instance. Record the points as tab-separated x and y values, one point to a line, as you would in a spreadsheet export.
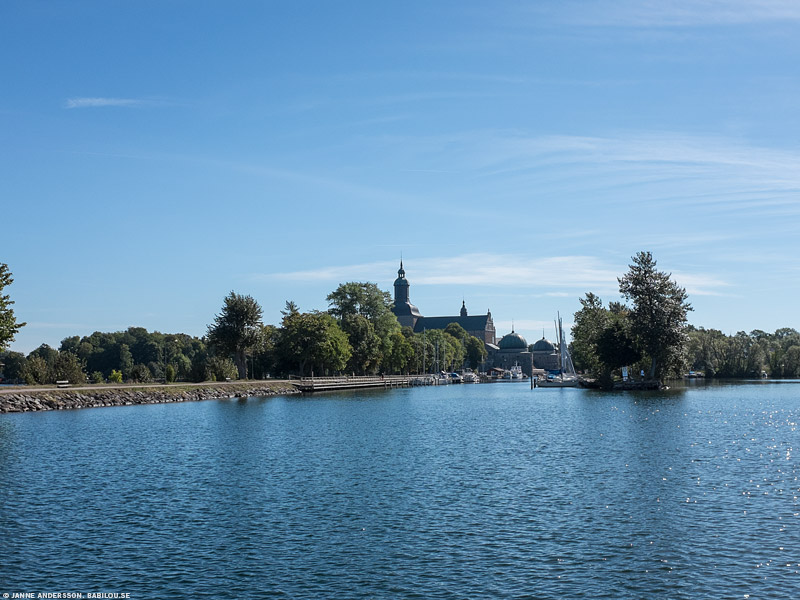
480	326
511	350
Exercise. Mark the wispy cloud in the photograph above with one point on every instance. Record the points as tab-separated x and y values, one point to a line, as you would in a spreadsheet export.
676	13
654	168
556	273
97	102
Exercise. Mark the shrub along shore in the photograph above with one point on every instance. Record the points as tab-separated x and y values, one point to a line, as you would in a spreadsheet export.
28	400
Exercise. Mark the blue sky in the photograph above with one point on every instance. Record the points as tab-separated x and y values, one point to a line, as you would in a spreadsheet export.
156	155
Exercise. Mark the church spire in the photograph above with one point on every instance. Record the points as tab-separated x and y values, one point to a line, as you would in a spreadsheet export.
463	309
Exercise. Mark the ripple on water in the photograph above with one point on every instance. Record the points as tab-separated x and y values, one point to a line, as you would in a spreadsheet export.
463	491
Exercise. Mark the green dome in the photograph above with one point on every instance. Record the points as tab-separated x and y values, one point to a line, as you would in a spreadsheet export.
513	341
544	345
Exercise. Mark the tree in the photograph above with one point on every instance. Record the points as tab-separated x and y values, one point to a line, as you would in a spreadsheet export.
140	374
312	340
218	368
399	359
457	331
115	377
365	344
68	367
13	366
658	315
125	360
8	323
476	351
590	321
354	303
37	370
616	347
236	329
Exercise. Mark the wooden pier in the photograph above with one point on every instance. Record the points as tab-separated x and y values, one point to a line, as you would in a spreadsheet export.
309	385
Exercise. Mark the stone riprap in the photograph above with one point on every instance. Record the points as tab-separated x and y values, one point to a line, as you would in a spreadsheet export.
27	401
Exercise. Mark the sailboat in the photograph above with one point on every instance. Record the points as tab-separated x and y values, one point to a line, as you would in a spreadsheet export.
566	375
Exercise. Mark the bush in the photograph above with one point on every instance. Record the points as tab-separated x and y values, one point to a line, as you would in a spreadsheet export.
68	367
140	374
115	377
220	369
97	377
170	374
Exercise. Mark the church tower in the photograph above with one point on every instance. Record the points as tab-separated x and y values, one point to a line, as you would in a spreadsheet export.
400	286
407	314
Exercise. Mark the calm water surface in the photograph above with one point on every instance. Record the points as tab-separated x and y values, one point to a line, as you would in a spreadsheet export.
471	491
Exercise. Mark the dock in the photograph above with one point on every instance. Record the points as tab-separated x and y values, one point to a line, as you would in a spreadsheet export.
309	385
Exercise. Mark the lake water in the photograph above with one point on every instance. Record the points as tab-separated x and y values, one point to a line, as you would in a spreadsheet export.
468	491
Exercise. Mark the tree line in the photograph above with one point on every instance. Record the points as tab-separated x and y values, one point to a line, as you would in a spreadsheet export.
652	334
358	334
743	354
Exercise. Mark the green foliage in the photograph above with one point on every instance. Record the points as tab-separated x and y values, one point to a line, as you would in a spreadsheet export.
170	374
616	347
13	366
140	374
9	326
115	377
236	329
364	313
37	371
400	357
220	369
654	328
658	314
97	377
264	357
457	331
312	341
365	344
590	321
437	350
68	367
46	353
475	351
745	355
125	360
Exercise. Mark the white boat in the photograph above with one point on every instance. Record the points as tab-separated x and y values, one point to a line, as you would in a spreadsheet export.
507	374
516	372
566	375
471	377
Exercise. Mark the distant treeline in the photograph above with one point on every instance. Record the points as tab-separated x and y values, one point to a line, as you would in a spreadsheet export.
135	355
744	354
358	334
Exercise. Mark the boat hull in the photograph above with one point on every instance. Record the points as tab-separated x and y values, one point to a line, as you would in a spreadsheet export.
557	383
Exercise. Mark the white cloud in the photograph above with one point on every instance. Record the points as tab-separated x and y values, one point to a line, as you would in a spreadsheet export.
498	270
101	102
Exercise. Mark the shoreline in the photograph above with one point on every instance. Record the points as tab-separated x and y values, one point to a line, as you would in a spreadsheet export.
43	399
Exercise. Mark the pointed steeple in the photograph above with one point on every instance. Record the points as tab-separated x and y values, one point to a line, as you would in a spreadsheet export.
400	286
463	309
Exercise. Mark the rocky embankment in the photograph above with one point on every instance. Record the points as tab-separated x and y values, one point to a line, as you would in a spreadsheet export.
33	400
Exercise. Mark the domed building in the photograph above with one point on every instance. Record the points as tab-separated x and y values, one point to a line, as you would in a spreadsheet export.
512	349
545	355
